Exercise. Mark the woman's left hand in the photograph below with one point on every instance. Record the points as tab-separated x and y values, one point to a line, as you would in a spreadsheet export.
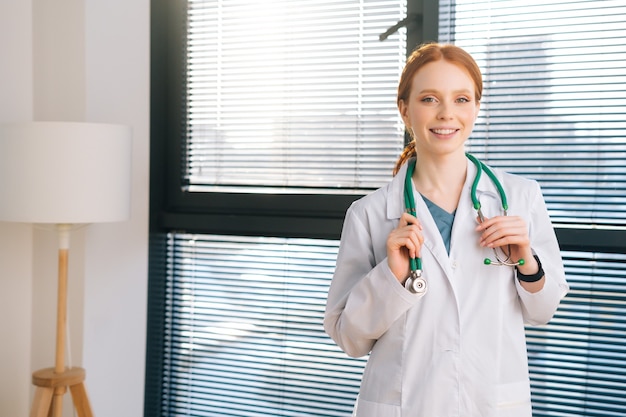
502	231
511	231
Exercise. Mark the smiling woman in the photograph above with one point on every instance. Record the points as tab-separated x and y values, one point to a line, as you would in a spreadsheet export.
462	327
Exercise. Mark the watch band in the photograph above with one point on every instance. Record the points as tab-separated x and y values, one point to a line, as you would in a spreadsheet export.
534	277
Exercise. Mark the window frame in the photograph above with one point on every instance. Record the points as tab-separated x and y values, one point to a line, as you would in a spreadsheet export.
173	208
281	215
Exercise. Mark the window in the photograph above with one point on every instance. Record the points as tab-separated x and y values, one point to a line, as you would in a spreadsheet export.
287	94
269	118
577	361
245	335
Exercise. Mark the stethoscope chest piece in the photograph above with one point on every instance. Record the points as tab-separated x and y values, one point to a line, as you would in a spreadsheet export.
415	283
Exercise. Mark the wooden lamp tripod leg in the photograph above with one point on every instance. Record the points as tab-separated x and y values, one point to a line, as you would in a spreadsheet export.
42	402
52	383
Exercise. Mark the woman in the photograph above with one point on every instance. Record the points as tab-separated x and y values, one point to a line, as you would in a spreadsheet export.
457	348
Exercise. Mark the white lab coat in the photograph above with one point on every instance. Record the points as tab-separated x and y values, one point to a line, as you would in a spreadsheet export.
459	350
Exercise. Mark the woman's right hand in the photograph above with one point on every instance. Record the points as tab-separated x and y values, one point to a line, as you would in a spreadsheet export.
404	242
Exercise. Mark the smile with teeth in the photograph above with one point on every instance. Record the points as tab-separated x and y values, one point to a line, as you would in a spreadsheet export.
443	131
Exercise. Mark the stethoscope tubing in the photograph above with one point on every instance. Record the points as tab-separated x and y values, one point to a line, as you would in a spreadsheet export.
415	282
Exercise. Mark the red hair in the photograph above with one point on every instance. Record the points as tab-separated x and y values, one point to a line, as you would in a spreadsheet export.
425	54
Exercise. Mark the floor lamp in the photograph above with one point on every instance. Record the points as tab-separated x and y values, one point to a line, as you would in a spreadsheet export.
63	174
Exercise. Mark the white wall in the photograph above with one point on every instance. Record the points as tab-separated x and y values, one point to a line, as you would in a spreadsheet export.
117	80
16	103
82	60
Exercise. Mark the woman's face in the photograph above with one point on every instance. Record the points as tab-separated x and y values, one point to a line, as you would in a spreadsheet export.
441	109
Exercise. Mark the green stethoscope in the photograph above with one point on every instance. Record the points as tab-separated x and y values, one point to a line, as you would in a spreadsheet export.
415	283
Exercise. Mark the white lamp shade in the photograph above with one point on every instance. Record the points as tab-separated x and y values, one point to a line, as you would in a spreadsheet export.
64	172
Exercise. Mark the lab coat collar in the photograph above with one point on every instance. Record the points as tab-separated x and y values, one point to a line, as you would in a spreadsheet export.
465	212
395	202
485	187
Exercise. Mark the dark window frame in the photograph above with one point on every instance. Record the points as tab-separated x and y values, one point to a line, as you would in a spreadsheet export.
173	208
282	215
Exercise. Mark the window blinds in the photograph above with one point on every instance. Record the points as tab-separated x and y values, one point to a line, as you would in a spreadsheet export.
578	361
292	93
244	333
555	97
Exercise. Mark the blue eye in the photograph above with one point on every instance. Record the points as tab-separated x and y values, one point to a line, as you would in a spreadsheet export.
463	100
428	99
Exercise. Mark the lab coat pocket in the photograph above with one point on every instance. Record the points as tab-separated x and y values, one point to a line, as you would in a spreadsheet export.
365	408
514	399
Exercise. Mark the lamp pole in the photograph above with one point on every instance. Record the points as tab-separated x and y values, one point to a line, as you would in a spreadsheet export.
63	231
52	383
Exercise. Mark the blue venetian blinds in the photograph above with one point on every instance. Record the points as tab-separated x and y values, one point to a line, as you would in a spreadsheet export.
578	361
244	333
292	93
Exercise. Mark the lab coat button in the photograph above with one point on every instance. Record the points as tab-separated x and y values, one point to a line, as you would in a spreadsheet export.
454	264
